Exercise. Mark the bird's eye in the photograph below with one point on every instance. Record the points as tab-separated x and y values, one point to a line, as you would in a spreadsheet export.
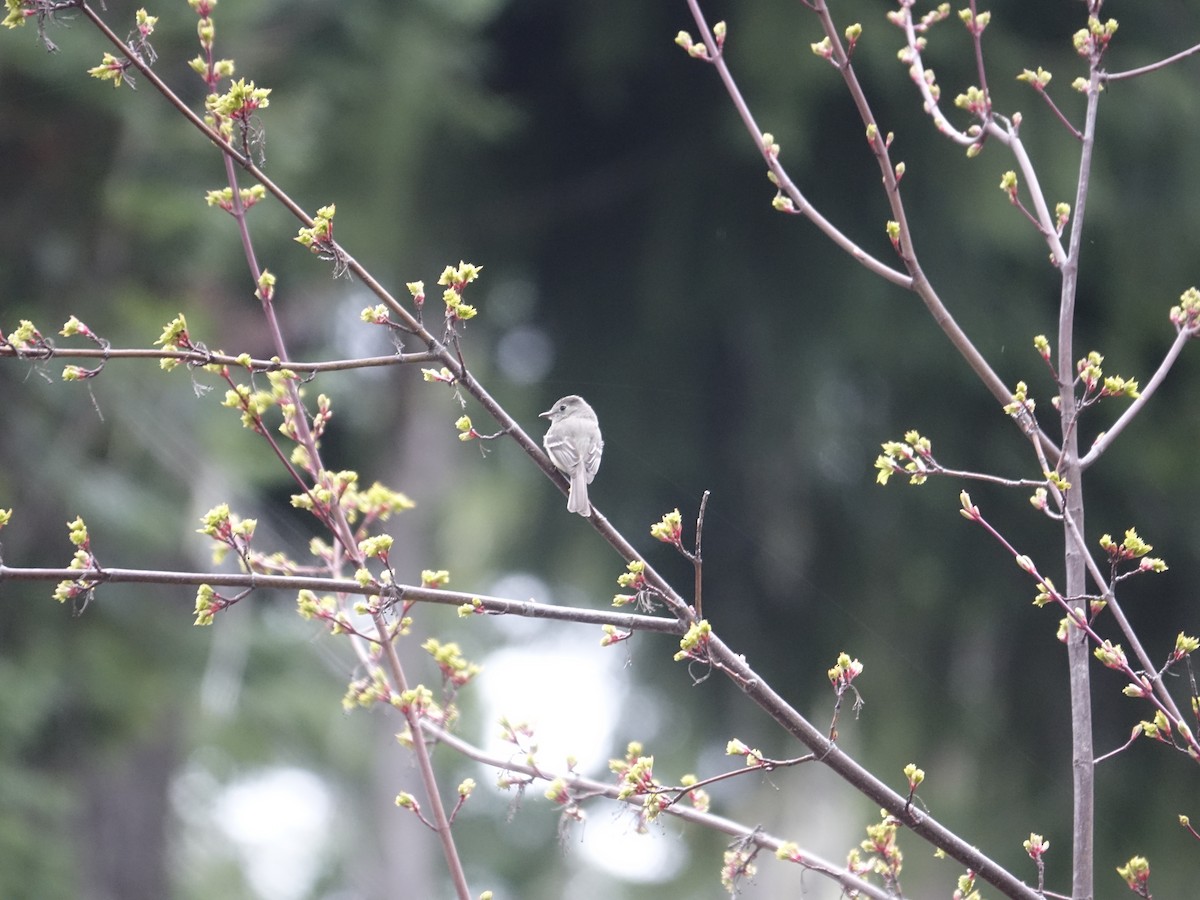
561	407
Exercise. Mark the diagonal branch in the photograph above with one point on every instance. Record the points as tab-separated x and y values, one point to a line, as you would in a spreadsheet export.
1104	440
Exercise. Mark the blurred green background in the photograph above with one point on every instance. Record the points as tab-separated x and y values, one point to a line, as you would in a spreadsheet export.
630	254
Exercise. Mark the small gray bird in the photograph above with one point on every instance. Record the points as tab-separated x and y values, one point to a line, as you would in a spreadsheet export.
574	445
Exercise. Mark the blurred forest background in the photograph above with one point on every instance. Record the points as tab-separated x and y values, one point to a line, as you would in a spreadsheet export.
631	255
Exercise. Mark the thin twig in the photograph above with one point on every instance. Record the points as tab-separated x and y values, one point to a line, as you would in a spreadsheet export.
1152	67
420	746
698	557
1108	594
1102	442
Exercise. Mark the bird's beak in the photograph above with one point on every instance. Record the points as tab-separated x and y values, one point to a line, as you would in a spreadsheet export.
546	414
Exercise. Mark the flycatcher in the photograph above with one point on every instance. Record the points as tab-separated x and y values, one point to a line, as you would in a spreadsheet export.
574	445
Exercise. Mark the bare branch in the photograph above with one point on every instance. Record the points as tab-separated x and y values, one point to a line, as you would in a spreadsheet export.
1152	67
1103	441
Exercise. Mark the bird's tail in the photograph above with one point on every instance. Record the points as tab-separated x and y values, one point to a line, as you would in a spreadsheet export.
577	500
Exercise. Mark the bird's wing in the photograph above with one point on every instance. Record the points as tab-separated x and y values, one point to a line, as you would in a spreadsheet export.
592	463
